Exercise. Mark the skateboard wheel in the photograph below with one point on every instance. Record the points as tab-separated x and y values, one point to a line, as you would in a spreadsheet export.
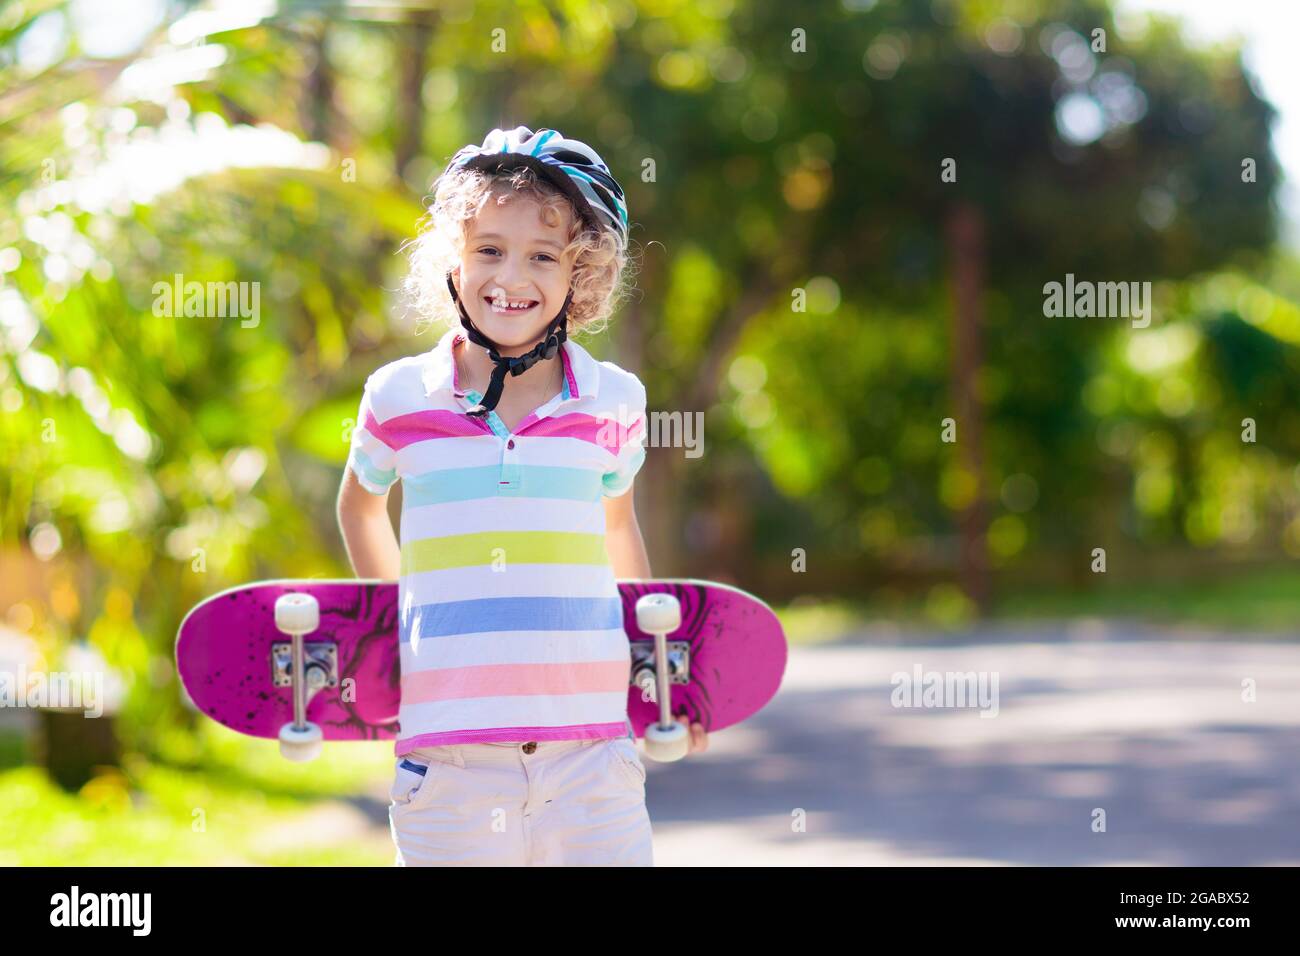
300	744
658	613
666	744
297	613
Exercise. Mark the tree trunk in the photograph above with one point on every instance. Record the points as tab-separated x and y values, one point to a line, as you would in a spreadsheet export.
967	253
72	747
410	95
661	509
698	392
318	105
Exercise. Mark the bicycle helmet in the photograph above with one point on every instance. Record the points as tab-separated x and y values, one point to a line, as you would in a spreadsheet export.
576	170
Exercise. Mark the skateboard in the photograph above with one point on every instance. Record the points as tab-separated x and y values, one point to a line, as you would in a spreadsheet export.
310	660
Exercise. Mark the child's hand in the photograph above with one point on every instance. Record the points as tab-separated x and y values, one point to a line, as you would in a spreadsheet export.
699	736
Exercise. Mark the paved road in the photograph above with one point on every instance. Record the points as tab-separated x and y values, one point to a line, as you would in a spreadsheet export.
1152	731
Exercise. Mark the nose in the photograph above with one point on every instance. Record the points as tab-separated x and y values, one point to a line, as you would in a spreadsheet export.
509	274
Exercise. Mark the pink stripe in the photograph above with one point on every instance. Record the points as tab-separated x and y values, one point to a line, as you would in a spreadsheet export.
403	430
526	424
513	680
511	735
605	432
568	373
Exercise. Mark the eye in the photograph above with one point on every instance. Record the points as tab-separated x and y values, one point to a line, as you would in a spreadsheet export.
491	249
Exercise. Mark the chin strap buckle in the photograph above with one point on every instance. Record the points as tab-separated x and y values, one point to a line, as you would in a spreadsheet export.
515	365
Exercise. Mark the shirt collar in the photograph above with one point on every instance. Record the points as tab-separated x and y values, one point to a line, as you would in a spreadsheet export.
581	370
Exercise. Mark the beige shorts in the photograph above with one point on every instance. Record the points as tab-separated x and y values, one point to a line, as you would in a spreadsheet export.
551	803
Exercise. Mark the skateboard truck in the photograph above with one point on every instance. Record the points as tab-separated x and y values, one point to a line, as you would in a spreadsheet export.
658	614
299	614
320	663
643	666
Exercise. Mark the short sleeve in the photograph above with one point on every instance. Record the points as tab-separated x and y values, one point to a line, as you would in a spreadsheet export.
372	461
631	451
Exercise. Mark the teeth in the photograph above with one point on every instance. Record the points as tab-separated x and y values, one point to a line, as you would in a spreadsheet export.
500	303
511	305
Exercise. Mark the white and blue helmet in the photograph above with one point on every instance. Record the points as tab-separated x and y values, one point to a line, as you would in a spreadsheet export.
570	165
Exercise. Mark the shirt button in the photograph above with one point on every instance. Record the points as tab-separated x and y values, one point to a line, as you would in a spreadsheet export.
530	746
510	443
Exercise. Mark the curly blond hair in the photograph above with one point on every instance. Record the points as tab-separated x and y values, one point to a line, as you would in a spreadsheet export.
598	257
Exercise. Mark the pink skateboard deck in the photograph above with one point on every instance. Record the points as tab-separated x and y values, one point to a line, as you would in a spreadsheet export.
228	647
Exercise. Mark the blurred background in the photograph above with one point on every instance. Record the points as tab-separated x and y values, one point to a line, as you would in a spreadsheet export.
844	217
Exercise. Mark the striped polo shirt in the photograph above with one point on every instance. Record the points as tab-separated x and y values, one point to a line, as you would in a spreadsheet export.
511	624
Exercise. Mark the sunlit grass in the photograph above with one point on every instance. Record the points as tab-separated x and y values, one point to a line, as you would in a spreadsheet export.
230	800
1265	602
821	622
1261	601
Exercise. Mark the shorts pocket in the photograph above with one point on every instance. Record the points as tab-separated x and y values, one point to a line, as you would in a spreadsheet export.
410	786
628	762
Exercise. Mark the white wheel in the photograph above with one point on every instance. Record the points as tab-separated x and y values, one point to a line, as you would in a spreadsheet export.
297	613
658	613
666	744
300	744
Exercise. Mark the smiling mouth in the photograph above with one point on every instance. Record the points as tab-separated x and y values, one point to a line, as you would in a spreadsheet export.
492	304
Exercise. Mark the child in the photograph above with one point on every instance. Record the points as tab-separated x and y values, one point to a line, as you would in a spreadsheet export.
515	747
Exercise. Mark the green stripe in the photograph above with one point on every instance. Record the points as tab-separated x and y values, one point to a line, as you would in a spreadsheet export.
516	547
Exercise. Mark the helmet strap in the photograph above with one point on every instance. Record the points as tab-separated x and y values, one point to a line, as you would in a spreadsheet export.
556	333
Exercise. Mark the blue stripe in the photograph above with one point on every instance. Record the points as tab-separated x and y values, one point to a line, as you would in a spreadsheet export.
617	481
550	135
512	614
468	484
494	422
622	209
362	464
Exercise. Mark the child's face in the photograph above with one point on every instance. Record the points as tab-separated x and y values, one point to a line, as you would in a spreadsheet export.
511	254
